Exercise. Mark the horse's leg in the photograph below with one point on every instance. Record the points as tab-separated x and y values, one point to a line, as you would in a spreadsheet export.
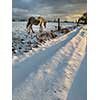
28	23
44	24
31	29
28	28
41	28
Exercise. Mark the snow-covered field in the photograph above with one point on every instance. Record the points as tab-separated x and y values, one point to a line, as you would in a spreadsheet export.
24	43
51	71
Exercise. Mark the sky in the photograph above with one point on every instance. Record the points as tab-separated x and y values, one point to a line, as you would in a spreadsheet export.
66	9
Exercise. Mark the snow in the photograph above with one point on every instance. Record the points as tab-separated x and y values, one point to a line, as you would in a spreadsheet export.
78	90
22	25
49	72
23	43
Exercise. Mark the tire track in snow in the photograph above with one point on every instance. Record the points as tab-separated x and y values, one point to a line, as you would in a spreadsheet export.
22	69
46	82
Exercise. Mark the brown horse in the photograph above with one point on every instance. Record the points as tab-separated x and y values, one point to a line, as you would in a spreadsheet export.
33	21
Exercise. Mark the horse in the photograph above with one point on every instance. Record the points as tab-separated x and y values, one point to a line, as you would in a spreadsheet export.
41	21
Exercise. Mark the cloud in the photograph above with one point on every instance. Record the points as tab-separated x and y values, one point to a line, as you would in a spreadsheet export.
47	7
30	4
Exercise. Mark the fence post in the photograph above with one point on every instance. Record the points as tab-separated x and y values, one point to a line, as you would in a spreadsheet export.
59	24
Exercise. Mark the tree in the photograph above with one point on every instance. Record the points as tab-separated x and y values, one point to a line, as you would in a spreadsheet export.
83	19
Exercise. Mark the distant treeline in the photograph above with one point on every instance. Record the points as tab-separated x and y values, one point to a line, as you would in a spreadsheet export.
17	19
62	21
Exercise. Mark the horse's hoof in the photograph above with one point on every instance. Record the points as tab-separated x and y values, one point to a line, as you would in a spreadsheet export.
28	32
33	32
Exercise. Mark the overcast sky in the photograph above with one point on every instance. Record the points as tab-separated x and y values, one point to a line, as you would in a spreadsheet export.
48	8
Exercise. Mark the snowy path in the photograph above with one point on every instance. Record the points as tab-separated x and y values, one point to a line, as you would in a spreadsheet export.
48	75
80	83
